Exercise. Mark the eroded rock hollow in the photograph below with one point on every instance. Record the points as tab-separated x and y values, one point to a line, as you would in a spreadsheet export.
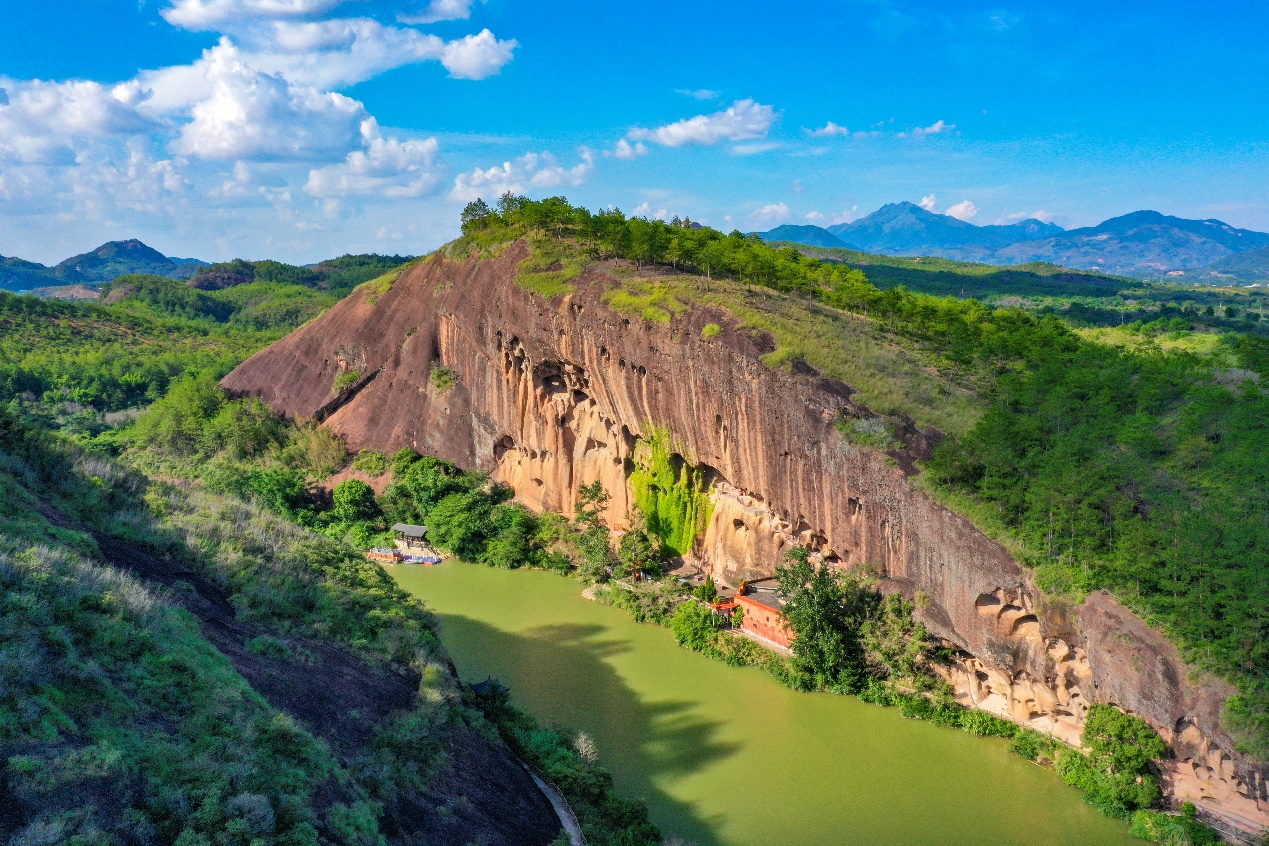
549	396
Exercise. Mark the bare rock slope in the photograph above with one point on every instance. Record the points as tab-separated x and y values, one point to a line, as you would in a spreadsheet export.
553	395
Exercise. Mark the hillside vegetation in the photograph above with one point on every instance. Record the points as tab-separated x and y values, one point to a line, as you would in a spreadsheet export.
1140	471
182	665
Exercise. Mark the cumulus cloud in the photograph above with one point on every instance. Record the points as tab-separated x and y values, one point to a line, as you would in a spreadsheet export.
440	10
213	14
771	213
964	210
626	151
928	202
386	167
828	130
741	121
251	114
257	123
530	171
477	56
40	122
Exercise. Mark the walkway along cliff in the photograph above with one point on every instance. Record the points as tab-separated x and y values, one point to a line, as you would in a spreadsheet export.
551	395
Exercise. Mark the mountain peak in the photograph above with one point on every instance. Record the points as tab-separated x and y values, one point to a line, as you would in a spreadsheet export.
114	258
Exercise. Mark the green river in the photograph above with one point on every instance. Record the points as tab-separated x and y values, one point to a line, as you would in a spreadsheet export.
725	756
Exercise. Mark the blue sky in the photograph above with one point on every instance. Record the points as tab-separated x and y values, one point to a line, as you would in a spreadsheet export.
300	129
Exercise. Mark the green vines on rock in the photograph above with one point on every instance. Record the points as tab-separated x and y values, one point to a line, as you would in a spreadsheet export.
672	493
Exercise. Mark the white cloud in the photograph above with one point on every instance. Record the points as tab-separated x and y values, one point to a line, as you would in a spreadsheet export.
45	122
741	121
832	219
440	10
928	202
770	213
345	51
964	210
644	210
1040	215
250	114
626	151
828	130
698	93
386	168
214	14
477	56
249	144
936	128
755	148
530	171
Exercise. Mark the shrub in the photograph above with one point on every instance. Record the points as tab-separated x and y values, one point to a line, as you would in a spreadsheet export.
983	724
1030	744
1182	829
711	330
694	625
442	379
344	380
371	462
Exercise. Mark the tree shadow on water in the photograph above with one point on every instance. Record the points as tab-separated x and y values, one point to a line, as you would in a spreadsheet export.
559	672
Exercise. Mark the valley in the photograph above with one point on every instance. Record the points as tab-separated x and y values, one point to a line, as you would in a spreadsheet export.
725	407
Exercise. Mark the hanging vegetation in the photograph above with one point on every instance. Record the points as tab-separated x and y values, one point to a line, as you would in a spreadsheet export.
672	493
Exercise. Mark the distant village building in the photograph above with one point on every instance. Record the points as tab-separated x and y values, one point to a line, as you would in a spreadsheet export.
762	605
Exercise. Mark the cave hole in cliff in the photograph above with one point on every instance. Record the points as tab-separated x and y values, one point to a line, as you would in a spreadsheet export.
580	397
987	604
1028	625
549	376
502	446
739	525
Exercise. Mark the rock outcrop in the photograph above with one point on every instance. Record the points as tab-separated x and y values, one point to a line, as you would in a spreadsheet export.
548	396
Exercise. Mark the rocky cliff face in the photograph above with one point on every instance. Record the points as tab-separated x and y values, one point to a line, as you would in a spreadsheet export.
553	395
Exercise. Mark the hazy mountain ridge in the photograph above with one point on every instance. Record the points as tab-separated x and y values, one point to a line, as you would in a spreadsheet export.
906	227
109	261
1140	244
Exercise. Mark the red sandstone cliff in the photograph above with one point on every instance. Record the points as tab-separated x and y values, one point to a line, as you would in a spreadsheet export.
553	395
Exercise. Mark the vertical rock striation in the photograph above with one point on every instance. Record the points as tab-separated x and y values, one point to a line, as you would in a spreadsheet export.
554	395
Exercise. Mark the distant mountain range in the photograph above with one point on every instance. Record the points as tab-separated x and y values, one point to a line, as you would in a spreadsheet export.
1141	244
110	260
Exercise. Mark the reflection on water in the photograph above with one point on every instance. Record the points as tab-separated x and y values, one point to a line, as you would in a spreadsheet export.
725	755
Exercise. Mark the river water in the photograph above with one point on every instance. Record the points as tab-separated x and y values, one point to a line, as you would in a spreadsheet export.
725	756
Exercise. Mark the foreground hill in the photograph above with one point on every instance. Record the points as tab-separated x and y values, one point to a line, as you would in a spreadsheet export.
185	668
1142	244
799	402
